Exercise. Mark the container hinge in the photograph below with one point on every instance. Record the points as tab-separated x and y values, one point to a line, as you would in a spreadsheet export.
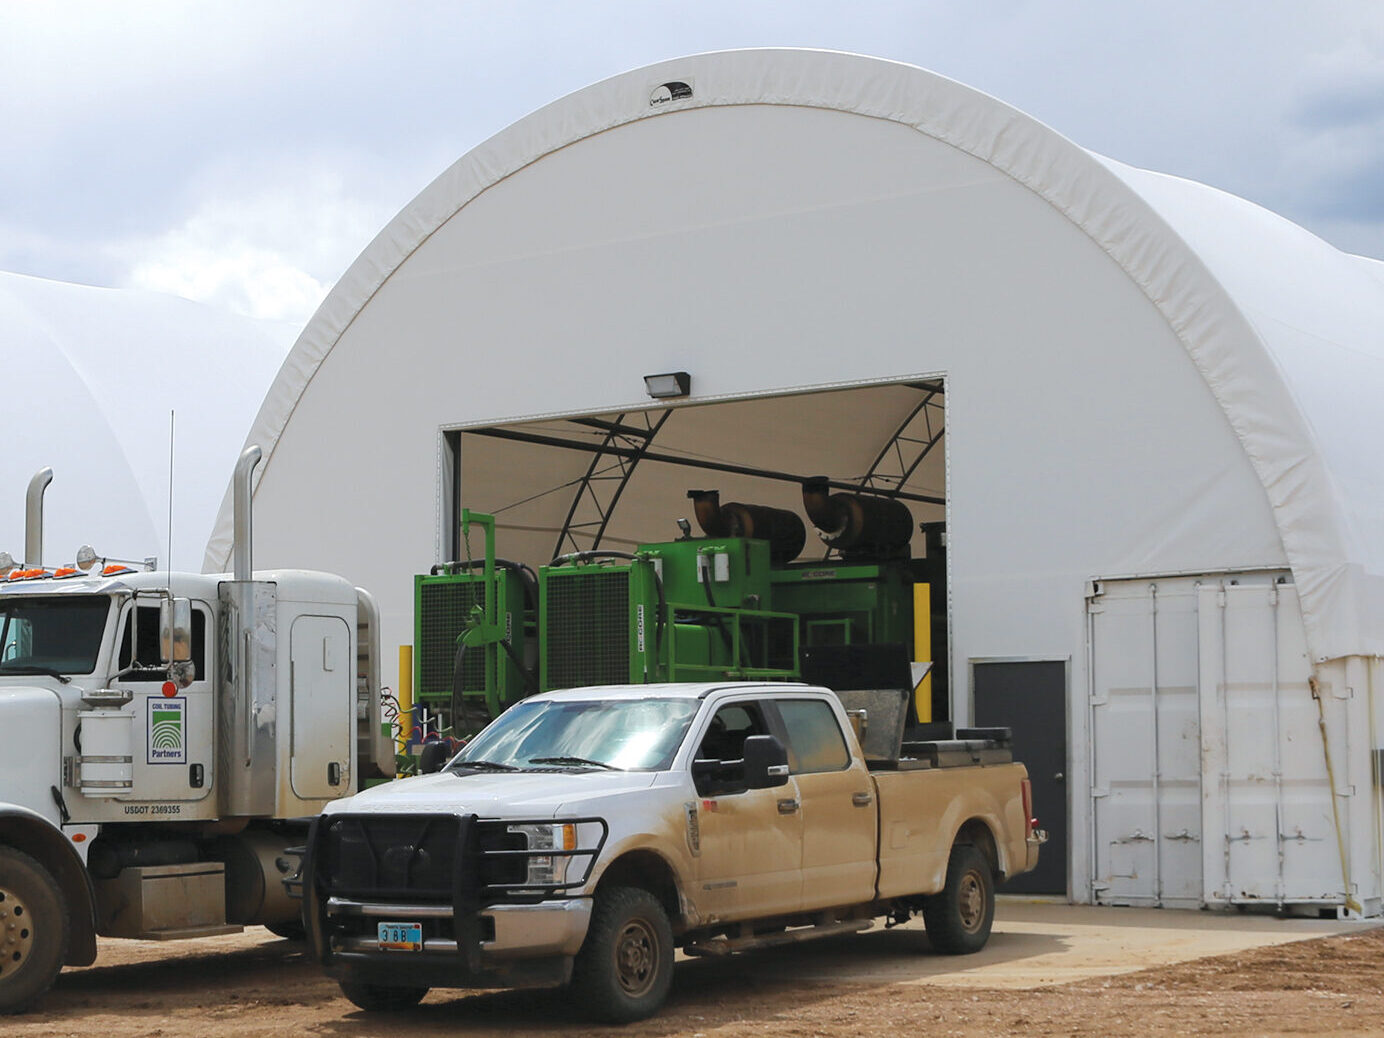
69	772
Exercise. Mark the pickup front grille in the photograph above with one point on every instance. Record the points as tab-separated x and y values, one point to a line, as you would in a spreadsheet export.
404	857
438	860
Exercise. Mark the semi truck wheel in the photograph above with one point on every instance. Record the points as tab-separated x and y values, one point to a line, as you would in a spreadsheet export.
625	966
33	930
958	919
375	998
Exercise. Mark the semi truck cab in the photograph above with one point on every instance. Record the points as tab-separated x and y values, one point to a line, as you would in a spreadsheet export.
163	739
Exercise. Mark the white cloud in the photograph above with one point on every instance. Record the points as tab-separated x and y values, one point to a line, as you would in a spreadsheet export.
269	252
242	279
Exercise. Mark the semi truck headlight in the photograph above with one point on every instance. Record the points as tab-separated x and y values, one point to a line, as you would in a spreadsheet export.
548	869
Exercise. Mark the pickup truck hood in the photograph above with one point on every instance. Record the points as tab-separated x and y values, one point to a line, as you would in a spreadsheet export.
524	794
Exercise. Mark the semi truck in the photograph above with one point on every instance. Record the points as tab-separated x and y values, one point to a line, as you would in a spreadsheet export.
164	740
586	834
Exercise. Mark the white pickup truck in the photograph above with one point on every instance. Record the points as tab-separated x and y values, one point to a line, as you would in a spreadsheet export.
586	834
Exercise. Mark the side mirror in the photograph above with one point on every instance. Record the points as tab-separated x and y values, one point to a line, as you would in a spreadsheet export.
766	762
434	755
175	630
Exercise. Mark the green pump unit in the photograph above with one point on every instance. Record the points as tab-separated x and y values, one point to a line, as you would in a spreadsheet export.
675	611
474	613
728	605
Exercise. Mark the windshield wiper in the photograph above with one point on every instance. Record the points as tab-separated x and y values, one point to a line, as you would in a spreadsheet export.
575	760
480	765
27	668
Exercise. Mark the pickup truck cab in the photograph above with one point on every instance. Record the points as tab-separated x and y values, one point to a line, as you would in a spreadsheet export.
586	834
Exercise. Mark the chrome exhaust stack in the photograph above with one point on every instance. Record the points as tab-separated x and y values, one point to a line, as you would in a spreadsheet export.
241	550
33	517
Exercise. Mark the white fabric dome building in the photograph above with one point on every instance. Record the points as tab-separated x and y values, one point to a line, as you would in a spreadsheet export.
1161	476
94	375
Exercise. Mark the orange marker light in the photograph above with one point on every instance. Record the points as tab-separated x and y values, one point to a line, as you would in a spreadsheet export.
78	837
169	689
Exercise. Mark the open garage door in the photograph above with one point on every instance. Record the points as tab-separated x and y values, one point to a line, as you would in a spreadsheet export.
615	480
578	490
1209	784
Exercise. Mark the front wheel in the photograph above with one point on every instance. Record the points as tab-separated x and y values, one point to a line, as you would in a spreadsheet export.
33	930
375	998
625	966
958	919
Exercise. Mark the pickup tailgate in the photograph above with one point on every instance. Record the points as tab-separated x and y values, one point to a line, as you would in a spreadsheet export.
920	812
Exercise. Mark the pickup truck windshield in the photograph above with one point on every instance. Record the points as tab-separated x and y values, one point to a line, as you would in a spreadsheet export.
626	734
57	635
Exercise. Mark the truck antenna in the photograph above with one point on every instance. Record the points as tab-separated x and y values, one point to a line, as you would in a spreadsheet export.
171	417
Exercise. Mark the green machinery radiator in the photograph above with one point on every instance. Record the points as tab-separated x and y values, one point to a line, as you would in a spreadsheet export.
678	611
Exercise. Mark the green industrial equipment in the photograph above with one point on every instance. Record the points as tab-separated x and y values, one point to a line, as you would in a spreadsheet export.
845	603
729	605
675	611
470	613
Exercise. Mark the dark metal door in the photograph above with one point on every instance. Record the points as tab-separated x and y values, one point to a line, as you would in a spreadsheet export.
1030	697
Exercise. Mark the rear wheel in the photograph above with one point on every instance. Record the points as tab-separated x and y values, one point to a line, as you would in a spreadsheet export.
33	930
958	919
625	967
374	998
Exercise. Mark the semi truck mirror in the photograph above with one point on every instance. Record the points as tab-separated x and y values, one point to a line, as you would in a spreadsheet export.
766	762
175	630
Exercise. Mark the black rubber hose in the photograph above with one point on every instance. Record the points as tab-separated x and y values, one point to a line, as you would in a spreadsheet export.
594	553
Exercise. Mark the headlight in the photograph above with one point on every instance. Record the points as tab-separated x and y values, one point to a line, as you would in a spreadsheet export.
548	869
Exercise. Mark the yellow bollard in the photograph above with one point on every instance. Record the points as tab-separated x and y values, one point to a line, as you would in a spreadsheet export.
405	696
922	648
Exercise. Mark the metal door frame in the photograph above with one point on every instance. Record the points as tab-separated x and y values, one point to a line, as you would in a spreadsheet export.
1066	662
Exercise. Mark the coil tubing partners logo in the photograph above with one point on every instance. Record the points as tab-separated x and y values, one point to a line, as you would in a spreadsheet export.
167	725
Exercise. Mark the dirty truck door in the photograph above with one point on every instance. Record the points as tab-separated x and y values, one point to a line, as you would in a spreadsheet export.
750	839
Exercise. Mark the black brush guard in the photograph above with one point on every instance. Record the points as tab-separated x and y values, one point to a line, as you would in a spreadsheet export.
442	868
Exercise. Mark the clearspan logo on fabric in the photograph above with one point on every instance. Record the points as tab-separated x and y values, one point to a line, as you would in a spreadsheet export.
167	730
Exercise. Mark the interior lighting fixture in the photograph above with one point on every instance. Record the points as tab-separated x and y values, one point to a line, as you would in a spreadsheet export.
666	386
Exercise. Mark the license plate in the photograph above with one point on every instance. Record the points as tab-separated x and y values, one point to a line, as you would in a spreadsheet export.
401	936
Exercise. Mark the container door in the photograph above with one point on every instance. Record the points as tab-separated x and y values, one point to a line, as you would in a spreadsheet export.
323	685
1146	742
1267	801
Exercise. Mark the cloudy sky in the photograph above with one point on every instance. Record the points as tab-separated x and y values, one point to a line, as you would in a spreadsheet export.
243	153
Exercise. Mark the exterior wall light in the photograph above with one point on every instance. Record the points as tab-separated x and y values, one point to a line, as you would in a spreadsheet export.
674	383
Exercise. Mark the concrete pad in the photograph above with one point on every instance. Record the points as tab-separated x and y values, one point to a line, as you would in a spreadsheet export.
1036	944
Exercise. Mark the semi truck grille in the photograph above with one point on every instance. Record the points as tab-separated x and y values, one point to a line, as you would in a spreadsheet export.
588	627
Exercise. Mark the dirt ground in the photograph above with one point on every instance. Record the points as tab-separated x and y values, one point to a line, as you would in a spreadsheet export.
253	984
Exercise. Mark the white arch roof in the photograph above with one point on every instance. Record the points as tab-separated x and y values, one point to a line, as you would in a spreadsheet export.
1284	329
93	376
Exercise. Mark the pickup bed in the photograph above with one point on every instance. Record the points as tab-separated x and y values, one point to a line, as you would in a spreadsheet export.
586	834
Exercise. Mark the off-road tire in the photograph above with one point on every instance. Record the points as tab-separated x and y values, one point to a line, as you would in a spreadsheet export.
33	930
958	919
625	966
379	998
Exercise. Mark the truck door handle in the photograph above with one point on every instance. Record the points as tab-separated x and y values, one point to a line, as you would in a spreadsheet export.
861	799
787	807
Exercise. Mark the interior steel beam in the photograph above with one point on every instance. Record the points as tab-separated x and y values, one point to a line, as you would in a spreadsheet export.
625	459
611	450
